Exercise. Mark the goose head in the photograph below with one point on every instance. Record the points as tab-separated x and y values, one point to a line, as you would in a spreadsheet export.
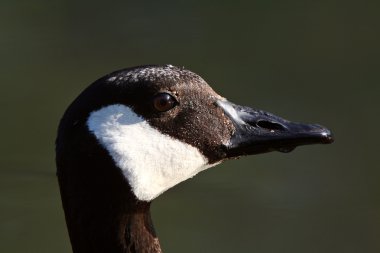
137	132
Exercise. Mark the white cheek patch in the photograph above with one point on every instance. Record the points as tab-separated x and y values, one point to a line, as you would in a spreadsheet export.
151	161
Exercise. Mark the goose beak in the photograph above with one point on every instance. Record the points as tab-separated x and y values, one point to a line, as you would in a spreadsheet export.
258	131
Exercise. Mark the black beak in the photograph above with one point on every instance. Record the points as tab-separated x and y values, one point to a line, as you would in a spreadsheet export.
259	132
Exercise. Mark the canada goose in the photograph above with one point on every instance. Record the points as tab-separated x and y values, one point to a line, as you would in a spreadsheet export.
137	132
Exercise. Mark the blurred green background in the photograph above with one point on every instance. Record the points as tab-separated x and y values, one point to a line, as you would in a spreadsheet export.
311	61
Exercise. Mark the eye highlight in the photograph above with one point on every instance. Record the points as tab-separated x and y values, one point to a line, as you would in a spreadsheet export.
163	102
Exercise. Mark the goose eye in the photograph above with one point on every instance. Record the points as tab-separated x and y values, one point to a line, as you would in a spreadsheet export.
163	102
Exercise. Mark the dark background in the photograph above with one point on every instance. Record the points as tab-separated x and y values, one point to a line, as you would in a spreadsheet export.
311	61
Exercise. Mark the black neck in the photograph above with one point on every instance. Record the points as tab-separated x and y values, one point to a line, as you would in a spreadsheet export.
98	222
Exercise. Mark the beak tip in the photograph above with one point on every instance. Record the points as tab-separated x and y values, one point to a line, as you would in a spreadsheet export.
324	135
327	136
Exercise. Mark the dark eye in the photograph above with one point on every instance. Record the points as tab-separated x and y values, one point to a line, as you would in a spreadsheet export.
163	102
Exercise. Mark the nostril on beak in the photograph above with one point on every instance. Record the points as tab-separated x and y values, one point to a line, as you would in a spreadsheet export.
268	125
